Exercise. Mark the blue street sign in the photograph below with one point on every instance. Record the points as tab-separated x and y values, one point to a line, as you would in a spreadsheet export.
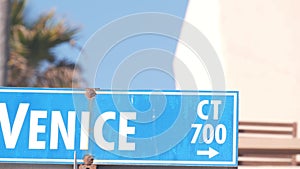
187	128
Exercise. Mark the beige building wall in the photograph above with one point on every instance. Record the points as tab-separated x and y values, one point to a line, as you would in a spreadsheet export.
261	46
258	42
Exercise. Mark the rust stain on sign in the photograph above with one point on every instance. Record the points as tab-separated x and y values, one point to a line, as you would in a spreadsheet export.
90	93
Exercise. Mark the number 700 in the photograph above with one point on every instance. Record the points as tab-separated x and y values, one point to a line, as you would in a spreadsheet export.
209	133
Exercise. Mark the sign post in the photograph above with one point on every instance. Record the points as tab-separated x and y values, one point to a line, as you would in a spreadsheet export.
161	128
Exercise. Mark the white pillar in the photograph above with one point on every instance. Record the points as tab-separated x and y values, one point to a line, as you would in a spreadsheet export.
205	16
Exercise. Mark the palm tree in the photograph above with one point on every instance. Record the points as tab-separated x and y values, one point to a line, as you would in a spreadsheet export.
4	48
60	75
31	44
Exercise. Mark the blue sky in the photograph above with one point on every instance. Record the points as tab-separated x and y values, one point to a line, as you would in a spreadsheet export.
91	16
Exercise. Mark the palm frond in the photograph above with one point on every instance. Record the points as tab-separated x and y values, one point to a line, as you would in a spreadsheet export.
31	44
17	11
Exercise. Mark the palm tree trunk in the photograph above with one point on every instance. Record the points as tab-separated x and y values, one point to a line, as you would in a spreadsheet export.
4	40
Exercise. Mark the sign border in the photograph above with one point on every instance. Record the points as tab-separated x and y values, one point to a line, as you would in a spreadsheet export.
135	162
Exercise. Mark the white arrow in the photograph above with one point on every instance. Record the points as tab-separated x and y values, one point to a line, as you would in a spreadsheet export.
210	152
